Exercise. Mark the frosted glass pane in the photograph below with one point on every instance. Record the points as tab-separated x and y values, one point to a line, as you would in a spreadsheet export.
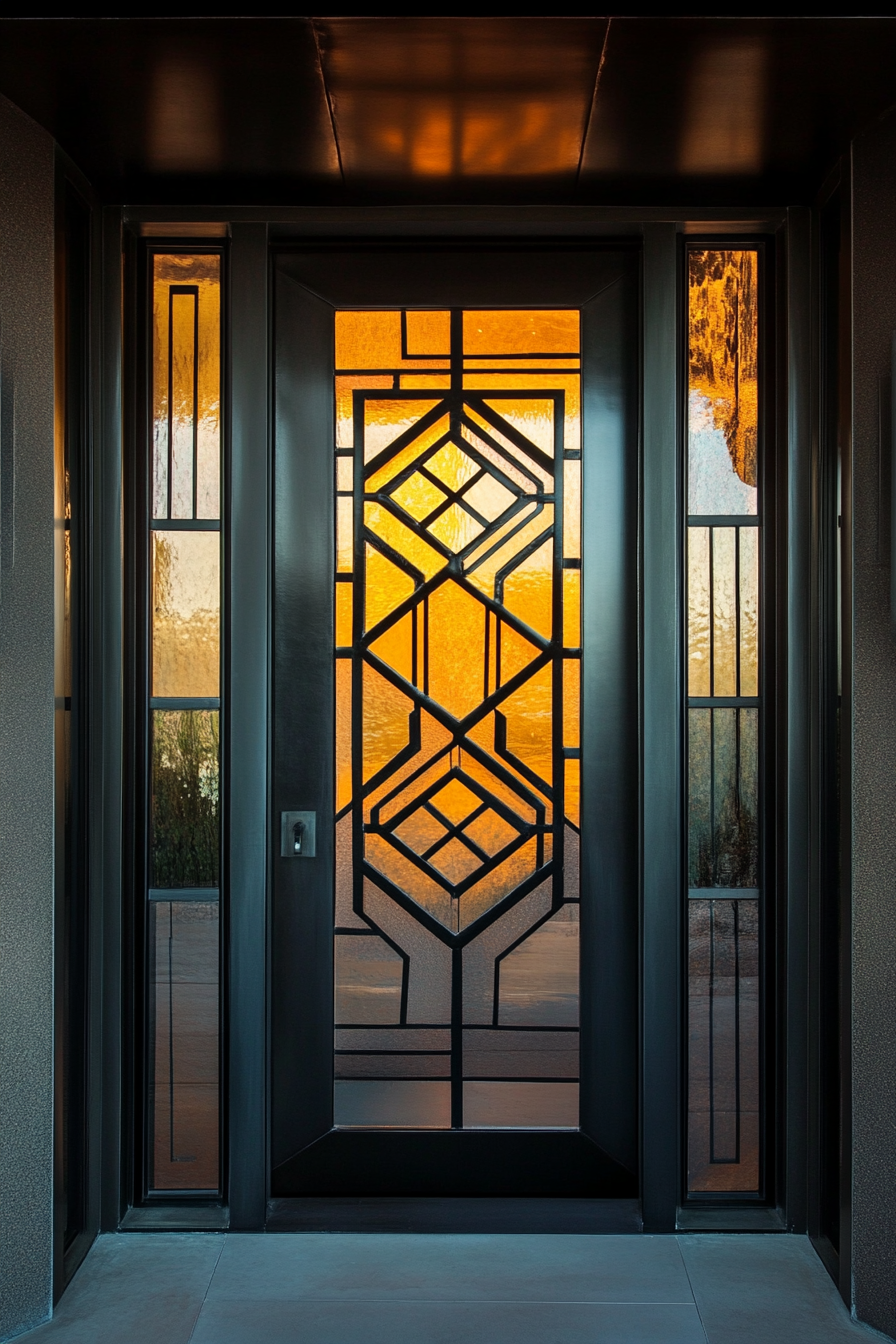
521	1054
539	980
184	803
186	606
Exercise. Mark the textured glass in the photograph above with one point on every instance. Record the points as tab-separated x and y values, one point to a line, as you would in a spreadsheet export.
723	1046
699	647
391	1104
521	1105
184	810
723	398
456	633
723	799
521	1054
367	980
749	610
723	735
186	622
183	1045
186	386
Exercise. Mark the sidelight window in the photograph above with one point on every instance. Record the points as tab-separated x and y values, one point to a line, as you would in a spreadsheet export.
724	723
183	752
458	498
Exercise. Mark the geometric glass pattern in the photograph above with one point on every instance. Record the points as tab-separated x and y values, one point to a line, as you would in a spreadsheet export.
182	925
724	707
457	615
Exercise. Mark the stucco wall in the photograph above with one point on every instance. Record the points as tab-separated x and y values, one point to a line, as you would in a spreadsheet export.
26	724
874	738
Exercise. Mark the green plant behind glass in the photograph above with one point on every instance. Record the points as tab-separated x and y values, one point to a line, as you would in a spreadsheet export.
185	771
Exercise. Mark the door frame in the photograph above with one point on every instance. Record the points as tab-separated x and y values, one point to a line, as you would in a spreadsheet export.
658	230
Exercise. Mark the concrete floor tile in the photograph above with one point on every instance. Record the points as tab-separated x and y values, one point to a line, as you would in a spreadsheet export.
451	1268
135	1288
280	1322
755	1289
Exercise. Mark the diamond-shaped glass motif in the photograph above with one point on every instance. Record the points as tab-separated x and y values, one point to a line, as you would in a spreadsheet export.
418	496
455	801
452	465
490	832
455	528
455	862
420	830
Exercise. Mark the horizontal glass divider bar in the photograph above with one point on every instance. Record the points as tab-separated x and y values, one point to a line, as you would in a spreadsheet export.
490	1026
572	454
186	524
724	702
724	520
572	754
184	894
572	653
572	563
185	1192
344	577
184	702
723	893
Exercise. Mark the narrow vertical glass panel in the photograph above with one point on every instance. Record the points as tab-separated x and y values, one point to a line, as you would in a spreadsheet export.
723	823
748	540
186	386
457	592
183	1045
724	611
572	776
343	615
343	733
700	836
723	398
572	608
345	473
723	1049
699	682
367	979
184	817
186	621
572	509
571	692
344	540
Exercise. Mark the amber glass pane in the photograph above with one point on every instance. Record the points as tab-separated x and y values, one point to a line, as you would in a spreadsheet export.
186	600
184	831
458	670
749	610
724	611
699	679
183	1036
723	398
186	386
723	1050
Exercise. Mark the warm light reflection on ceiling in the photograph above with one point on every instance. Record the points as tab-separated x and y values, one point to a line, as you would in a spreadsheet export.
460	98
723	128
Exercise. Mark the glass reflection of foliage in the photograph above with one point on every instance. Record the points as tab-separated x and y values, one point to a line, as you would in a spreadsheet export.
458	681
185	805
723	348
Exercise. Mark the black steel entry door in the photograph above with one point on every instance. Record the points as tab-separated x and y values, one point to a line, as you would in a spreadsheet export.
455	729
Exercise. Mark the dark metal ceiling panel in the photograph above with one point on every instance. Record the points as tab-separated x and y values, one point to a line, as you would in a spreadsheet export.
445	99
132	100
715	104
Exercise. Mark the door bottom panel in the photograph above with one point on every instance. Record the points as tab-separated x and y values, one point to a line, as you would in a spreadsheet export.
497	1163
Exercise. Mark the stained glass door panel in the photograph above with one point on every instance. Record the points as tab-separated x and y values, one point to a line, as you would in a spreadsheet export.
455	973
458	503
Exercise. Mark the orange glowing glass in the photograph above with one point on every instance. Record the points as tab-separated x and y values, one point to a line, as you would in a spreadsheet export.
465	711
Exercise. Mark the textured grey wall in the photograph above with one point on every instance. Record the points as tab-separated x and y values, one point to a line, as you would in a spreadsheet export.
26	728
874	730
